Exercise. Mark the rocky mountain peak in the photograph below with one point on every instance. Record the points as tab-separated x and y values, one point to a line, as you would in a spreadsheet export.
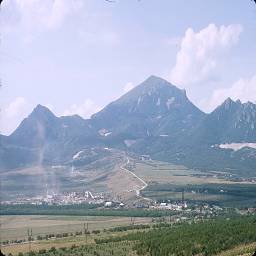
41	112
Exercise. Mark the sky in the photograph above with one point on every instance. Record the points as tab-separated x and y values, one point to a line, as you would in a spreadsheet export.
76	56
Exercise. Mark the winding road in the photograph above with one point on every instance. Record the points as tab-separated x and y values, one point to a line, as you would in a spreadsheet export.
140	179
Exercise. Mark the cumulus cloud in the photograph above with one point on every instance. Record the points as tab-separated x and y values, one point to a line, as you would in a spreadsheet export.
13	114
243	89
128	87
15	107
85	110
47	14
200	53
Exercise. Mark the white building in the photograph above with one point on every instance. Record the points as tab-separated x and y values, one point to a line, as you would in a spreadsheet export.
108	204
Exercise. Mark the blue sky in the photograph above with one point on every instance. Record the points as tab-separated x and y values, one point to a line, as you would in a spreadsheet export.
76	56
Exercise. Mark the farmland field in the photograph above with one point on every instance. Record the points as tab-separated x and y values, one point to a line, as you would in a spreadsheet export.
15	227
167	181
163	172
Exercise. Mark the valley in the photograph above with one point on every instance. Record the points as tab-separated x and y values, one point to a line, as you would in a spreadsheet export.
120	177
127	128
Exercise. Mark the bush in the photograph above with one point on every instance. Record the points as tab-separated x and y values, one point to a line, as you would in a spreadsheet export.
53	249
96	231
65	235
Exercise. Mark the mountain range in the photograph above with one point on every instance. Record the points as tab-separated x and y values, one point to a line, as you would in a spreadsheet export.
155	118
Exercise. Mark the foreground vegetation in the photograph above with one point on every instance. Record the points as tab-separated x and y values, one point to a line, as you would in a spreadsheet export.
123	248
205	238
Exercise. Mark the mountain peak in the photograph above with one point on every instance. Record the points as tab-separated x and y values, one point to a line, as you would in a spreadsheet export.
41	111
154	101
249	103
231	104
155	79
228	101
40	108
154	90
34	129
158	82
228	104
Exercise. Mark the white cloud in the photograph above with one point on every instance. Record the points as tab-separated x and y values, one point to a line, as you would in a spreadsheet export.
243	89
15	107
13	114
49	14
200	53
85	110
128	87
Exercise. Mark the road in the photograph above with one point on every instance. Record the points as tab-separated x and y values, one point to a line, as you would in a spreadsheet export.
140	179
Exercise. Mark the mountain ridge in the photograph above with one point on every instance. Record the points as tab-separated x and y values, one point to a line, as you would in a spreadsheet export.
43	109
155	118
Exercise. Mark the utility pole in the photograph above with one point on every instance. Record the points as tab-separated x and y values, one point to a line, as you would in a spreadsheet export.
29	238
183	199
86	231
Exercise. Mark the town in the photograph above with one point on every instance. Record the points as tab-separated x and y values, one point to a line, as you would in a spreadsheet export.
104	200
